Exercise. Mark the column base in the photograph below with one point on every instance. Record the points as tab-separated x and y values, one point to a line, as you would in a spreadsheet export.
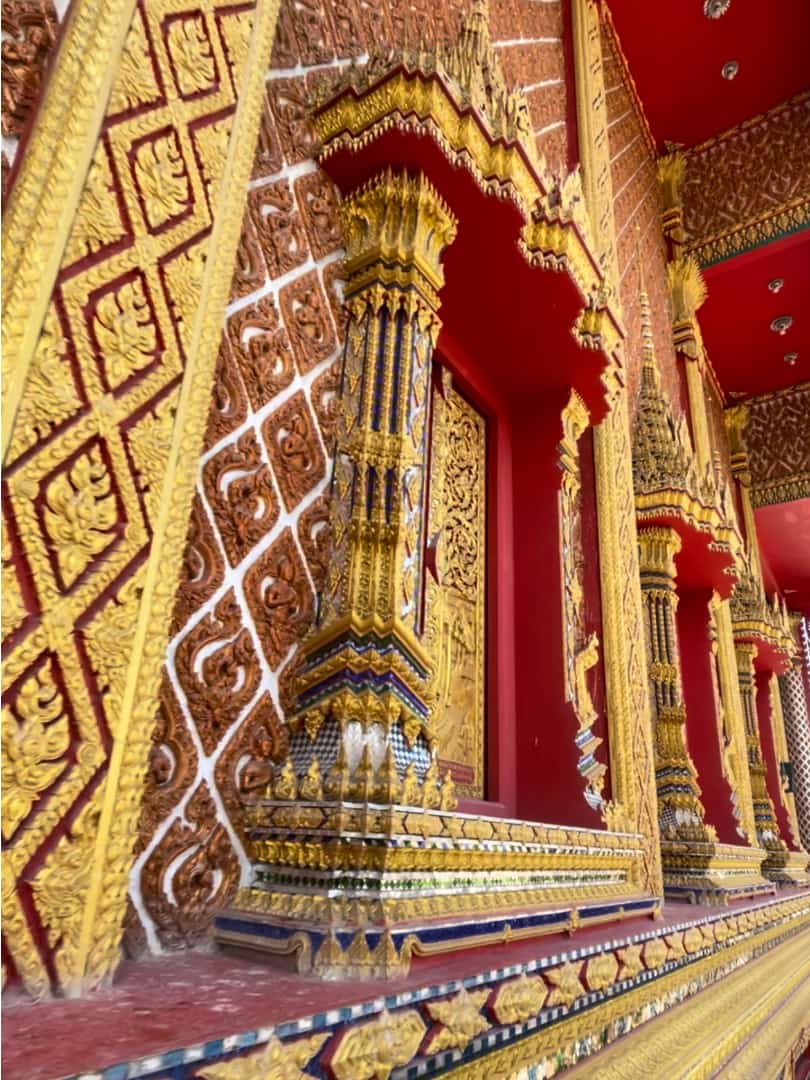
787	867
357	890
710	873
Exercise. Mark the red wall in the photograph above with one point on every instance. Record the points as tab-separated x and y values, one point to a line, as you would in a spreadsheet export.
701	715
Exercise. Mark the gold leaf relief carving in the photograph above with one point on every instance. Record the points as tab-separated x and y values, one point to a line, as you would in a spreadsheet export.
236	31
185	275
108	639
59	888
190	49
460	1018
150	442
212	146
98	221
33	742
80	514
12	611
455	603
278	1061
161	175
125	332
136	83
50	391
371	1051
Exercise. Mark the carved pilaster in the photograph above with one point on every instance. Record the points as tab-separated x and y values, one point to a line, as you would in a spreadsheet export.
363	695
733	733
764	816
581	653
679	807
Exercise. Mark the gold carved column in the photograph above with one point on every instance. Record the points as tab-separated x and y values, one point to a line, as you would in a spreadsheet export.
680	809
735	755
764	816
362	723
632	765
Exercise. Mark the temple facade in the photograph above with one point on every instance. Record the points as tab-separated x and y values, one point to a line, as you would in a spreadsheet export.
406	539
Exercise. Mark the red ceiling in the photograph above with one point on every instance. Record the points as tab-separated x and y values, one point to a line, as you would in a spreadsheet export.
784	540
746	354
676	54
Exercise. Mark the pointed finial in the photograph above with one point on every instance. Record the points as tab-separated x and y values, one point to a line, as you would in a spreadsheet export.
647	341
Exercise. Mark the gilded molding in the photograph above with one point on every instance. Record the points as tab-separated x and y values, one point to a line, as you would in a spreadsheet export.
632	769
53	170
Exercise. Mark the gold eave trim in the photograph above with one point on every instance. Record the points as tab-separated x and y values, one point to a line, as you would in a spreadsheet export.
423	103
694	515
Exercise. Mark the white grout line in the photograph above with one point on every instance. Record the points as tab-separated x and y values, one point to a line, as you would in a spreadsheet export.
550	127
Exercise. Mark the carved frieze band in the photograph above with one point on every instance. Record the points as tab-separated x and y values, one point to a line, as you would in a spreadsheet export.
749	185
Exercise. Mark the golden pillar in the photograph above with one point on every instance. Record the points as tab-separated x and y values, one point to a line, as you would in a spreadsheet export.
680	809
735	749
361	727
764	816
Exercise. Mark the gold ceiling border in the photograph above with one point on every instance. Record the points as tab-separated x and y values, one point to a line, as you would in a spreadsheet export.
98	948
741	238
54	166
785	489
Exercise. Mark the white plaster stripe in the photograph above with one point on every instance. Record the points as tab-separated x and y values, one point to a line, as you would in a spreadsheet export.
526	41
540	85
550	127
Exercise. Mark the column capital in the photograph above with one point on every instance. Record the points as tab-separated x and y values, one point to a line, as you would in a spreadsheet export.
658	546
395	228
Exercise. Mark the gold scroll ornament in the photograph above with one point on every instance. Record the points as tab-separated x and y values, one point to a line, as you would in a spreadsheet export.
455	598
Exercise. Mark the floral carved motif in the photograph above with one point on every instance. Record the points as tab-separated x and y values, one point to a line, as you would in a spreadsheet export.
149	443
98	219
279	597
172	765
229	400
160	173
277	1061
54	393
81	513
218	670
36	737
267	159
307	320
249	271
192	55
240	492
29	33
262	348
125	332
192	873
292	110
318	201
245	766
203	568
279	227
314	535
294	449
